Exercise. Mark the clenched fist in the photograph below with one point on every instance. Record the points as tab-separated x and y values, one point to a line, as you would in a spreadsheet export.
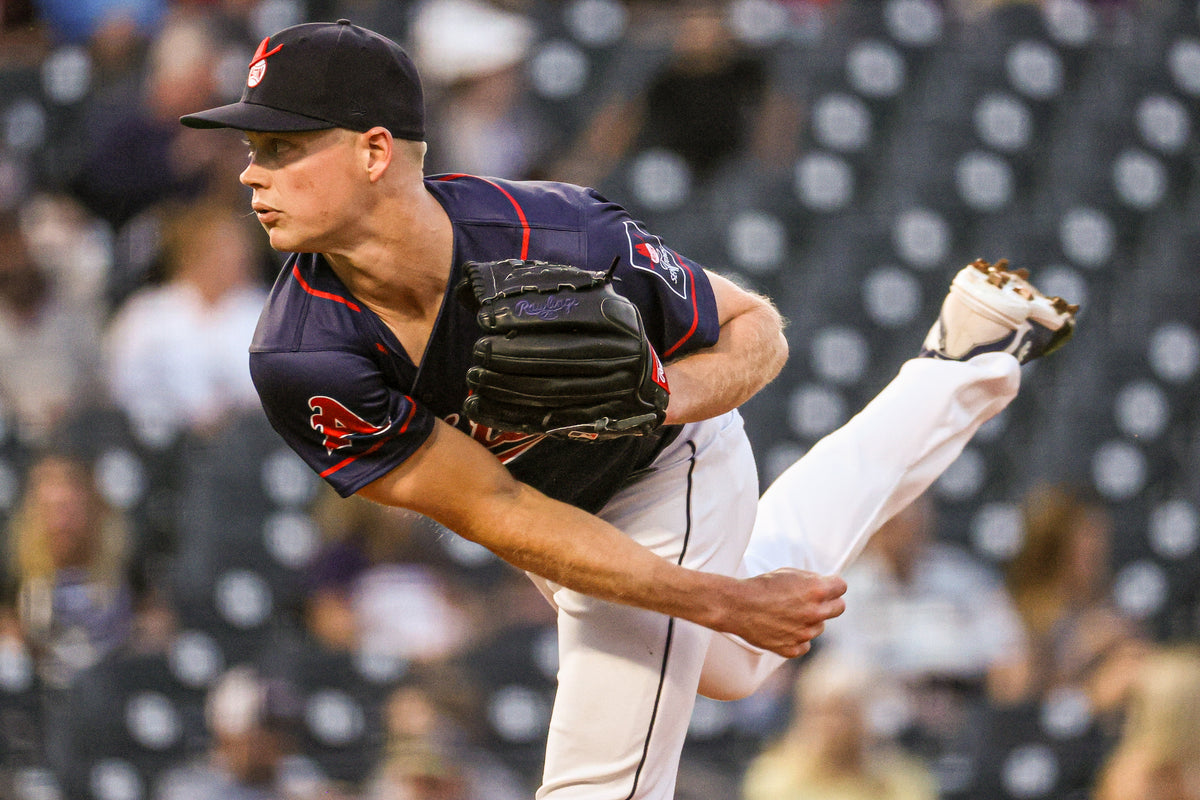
784	610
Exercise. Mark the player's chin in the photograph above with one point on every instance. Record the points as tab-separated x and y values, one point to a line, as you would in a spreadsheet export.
284	241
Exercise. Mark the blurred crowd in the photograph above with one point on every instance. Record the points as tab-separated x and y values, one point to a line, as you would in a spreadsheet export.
187	614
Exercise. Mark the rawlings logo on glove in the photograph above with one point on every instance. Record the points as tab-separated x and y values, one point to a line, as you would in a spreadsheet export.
552	309
562	353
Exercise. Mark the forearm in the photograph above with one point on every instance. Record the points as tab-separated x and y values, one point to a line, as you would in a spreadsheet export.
453	480
749	354
462	486
781	611
582	552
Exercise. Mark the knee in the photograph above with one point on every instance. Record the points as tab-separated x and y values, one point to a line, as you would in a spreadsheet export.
727	686
725	693
734	670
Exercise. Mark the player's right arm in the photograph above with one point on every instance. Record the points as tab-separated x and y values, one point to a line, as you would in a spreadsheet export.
457	482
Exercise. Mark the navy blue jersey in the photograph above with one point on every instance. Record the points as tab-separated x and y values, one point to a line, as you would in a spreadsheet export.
340	389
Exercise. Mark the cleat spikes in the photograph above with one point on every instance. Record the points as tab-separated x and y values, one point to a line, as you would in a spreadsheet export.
1063	307
993	309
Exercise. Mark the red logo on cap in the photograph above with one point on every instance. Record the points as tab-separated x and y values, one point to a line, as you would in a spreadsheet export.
258	64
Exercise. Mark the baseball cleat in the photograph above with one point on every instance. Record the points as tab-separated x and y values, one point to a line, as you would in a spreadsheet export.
991	309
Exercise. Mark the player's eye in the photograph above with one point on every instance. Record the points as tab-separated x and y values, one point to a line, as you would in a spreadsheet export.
268	151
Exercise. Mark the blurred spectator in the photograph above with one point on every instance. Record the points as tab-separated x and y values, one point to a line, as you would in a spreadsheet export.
472	60
829	752
1060	575
1101	656
75	599
137	154
431	754
1158	756
933	617
22	40
16	14
407	611
703	103
1063	691
422	772
78	21
252	756
47	337
922	608
71	245
176	354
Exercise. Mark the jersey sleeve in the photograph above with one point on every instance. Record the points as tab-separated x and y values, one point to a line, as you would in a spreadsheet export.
336	411
670	290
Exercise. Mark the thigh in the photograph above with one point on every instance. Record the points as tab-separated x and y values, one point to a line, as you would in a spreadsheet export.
628	677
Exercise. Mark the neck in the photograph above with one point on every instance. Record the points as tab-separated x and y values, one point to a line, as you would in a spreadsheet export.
401	263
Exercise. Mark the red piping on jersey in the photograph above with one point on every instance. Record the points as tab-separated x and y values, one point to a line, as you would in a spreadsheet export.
511	199
351	459
323	295
525	252
695	314
412	410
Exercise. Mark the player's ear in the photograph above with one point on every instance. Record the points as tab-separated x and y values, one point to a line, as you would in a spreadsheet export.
378	149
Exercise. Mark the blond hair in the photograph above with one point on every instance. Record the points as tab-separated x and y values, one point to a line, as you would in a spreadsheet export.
1159	751
28	538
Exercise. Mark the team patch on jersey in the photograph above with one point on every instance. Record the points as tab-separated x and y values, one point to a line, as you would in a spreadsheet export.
647	252
337	423
504	445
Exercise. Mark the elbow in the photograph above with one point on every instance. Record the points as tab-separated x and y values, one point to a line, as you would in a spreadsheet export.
780	353
774	344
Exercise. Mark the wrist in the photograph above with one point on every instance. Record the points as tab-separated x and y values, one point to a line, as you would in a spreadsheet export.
678	412
708	598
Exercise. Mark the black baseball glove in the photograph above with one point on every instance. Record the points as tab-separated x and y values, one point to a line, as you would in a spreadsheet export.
561	353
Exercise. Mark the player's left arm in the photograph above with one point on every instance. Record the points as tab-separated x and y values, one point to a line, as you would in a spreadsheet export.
748	355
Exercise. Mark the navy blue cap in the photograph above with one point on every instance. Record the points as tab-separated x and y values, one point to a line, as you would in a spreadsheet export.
322	75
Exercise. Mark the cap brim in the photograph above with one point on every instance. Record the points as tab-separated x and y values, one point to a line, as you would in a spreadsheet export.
253	117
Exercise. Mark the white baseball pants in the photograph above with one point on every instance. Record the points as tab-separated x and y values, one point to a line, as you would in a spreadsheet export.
628	677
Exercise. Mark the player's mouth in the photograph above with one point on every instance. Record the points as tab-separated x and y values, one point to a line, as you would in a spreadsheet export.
266	215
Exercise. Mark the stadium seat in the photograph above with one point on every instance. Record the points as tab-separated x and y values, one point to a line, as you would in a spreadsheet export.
126	720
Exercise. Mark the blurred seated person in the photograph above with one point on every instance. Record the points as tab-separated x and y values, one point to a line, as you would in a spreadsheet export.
425	771
47	336
1059	577
177	353
405	611
829	751
932	616
704	103
1158	755
383	584
921	608
76	603
79	21
1100	660
136	155
472	57
432	751
252	723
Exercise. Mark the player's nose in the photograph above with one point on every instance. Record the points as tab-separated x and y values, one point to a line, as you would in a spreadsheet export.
253	176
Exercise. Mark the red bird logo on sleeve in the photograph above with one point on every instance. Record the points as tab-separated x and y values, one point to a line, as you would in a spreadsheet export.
337	423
